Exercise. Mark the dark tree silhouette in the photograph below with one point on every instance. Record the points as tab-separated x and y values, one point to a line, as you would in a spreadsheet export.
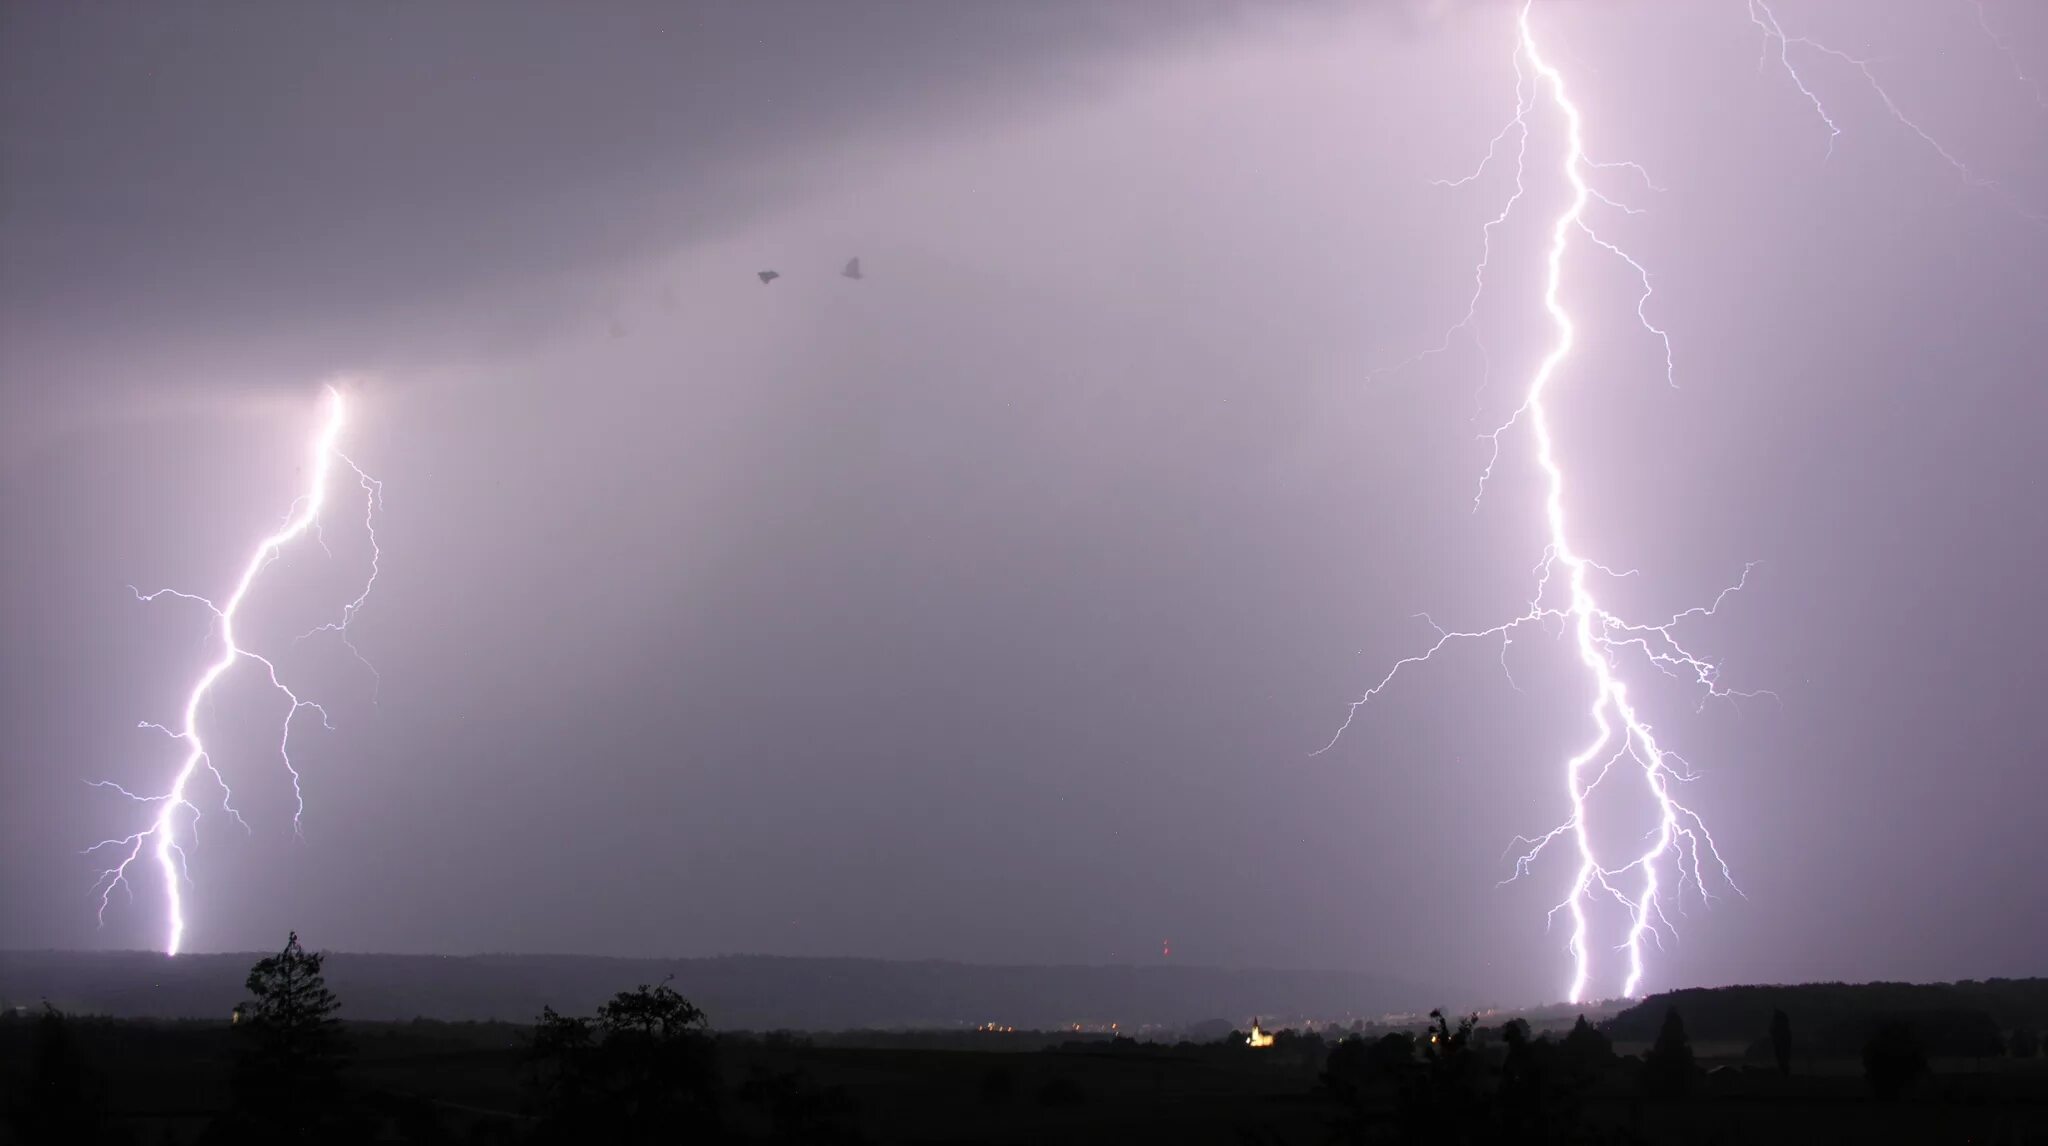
289	1050
1893	1060
1781	1040
1356	1071
1348	1079
1306	1051
291	1013
562	1051
1360	1074
651	1012
1525	1076
1668	1065
1586	1048
1390	1054
644	1070
1542	1096
1440	1100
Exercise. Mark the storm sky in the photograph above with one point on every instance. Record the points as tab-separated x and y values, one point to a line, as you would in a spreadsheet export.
992	607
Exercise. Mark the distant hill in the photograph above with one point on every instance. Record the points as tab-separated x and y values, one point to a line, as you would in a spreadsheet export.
739	992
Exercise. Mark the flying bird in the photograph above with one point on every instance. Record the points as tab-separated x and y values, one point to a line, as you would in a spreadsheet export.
767	277
852	270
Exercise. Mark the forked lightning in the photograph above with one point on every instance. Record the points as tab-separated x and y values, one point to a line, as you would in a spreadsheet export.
174	809
1567	579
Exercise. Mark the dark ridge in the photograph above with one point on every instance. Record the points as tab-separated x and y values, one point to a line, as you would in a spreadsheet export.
1962	1018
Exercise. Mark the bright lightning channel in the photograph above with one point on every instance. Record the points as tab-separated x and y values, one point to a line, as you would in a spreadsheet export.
1601	638
161	836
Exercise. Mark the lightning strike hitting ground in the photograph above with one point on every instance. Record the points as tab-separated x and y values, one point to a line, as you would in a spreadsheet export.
1602	639
161	836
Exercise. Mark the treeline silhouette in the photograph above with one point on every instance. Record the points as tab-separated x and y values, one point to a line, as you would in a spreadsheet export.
751	992
1468	1084
645	1066
1969	1019
642	1070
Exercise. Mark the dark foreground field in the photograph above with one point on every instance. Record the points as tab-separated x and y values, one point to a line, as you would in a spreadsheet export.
157	1082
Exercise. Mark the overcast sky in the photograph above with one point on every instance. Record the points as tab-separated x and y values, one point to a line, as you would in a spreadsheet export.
991	607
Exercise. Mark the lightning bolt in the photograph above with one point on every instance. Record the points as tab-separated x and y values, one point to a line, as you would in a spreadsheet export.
1567	579
161	835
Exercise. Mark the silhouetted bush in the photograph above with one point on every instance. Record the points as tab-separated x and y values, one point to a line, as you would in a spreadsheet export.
644	1070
